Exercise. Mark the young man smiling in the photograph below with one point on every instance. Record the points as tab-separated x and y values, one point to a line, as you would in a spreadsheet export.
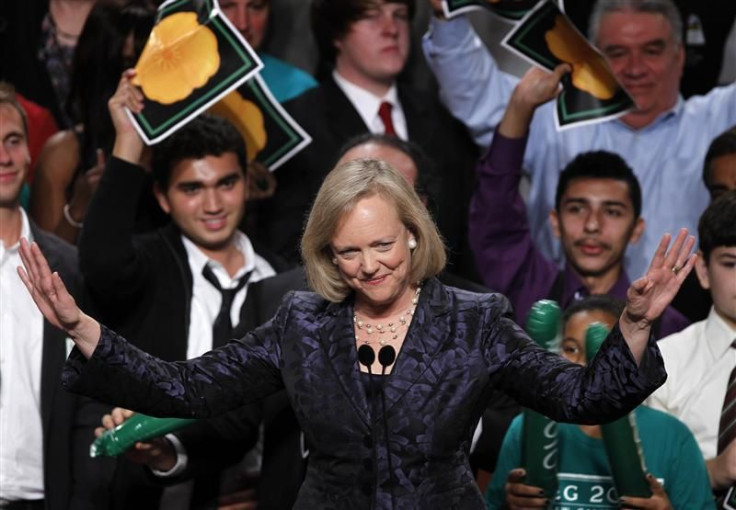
596	216
163	288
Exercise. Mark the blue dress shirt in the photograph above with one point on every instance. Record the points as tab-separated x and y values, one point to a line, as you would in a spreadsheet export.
666	156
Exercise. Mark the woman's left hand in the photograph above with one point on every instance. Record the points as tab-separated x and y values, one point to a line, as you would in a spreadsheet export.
648	296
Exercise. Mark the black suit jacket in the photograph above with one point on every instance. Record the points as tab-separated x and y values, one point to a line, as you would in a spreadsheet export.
66	430
329	117
212	445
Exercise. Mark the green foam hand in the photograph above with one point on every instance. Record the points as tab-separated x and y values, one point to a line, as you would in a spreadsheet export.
138	427
620	437
540	445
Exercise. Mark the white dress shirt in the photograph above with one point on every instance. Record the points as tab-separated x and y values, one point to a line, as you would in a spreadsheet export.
205	307
367	106
699	361
206	299
21	352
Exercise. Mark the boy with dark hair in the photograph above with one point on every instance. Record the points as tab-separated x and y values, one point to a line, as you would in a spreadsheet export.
600	165
678	478
719	168
186	282
701	359
596	217
205	136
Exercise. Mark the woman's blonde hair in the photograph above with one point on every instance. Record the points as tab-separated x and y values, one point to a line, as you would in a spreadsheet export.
343	187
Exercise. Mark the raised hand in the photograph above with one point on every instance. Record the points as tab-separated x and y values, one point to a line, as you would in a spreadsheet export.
46	288
53	299
648	296
519	495
535	88
657	501
128	143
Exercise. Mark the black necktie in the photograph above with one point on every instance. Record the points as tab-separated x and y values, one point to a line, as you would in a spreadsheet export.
222	329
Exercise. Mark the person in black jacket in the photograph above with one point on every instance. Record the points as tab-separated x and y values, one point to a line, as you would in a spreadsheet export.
166	284
44	431
365	46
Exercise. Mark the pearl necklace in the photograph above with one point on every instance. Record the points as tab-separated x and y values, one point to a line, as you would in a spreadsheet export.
393	328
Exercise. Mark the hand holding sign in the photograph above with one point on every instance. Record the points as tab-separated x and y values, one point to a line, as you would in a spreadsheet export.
547	38
193	58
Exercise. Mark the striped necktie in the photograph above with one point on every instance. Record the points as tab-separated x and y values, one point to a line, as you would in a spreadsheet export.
727	424
727	433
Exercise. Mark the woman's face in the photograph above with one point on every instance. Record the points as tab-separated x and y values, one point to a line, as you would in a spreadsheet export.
370	247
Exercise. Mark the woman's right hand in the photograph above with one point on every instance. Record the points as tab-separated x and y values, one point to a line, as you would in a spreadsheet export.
54	301
128	143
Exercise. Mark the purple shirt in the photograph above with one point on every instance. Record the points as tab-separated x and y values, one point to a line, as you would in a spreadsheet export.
505	254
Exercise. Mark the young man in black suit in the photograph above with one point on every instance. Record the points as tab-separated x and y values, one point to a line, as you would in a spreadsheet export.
43	440
186	282
364	46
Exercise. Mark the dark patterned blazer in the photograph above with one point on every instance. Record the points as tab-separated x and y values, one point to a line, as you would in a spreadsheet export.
459	348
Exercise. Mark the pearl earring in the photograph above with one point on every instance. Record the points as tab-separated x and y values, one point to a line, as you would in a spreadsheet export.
412	243
334	260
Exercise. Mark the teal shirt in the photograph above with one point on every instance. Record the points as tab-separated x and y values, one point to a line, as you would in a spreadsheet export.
285	80
670	453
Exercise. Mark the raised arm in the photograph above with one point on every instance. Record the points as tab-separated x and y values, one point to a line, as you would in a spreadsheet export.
471	85
111	370
650	295
108	260
505	253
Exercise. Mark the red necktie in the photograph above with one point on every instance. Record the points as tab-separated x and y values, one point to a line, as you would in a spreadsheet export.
384	112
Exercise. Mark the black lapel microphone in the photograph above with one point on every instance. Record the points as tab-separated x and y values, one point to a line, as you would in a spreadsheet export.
386	357
366	357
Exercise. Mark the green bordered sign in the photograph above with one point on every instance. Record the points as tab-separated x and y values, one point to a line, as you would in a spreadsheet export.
285	136
730	502
512	10
591	93
193	57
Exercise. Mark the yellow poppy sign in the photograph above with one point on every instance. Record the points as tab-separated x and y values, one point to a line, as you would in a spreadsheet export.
590	93
192	59
271	135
